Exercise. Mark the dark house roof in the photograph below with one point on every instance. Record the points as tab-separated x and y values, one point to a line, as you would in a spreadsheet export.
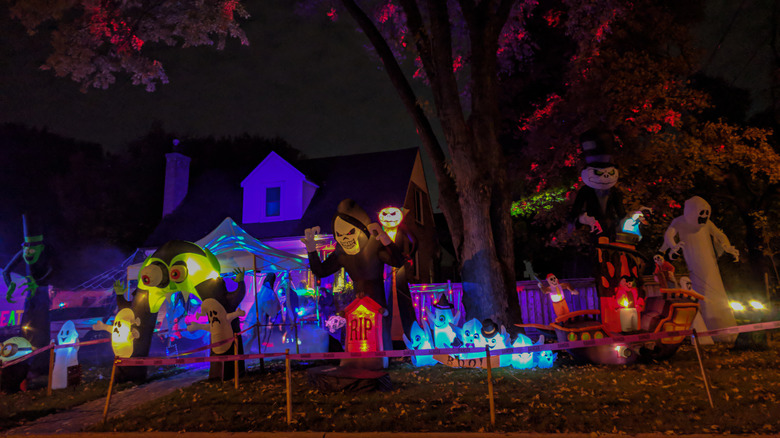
373	180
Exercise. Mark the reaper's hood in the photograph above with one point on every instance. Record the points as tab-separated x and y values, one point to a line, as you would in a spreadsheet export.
349	211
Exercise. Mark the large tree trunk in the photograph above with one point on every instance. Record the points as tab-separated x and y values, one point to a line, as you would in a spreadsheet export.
474	196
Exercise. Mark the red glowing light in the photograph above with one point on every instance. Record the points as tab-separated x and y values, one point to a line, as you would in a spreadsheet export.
333	15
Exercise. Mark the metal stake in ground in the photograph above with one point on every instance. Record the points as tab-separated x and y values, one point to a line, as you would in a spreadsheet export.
695	339
490	387
51	367
110	388
235	362
288	379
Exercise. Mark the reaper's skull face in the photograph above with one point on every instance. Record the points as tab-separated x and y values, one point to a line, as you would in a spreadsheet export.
347	235
658	259
552	280
697	211
600	178
390	217
67	334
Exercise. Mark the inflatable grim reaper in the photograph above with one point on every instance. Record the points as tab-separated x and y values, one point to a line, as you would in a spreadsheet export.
177	266
363	249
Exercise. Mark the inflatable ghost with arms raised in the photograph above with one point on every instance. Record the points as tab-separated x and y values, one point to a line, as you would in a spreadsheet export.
695	234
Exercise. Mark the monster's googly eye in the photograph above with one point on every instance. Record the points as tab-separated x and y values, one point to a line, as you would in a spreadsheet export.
8	350
178	273
153	275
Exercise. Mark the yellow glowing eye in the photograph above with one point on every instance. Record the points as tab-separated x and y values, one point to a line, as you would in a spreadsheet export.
736	305
178	273
756	305
598	172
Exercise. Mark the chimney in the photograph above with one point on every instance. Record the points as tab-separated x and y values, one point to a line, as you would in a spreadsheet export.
177	175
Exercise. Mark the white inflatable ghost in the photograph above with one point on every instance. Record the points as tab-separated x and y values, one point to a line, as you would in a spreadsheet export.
421	340
65	357
695	236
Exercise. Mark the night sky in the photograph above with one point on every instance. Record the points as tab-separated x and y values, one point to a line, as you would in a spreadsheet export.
305	79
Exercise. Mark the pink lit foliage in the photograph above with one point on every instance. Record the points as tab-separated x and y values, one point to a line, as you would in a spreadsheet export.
95	40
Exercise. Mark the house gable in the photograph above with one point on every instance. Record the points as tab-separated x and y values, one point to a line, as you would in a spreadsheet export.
275	191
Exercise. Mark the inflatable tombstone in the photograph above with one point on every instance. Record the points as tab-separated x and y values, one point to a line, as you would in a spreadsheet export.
65	358
694	234
362	249
13	377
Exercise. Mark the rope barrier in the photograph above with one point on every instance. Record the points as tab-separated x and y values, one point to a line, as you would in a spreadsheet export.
615	340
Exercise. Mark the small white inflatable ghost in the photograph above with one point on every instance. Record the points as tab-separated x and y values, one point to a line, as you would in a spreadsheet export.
526	360
65	357
441	320
421	340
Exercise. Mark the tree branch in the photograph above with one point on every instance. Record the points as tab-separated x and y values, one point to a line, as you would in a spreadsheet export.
448	198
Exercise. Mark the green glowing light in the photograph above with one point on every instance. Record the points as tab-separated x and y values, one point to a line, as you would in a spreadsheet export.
543	201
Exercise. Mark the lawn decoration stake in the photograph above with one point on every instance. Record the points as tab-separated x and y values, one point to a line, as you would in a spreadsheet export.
65	357
362	249
35	322
695	233
598	204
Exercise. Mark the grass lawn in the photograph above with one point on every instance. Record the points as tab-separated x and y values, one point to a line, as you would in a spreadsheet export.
23	407
660	396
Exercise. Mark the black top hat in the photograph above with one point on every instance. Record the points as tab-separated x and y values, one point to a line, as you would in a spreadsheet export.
443	303
489	328
33	231
597	148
